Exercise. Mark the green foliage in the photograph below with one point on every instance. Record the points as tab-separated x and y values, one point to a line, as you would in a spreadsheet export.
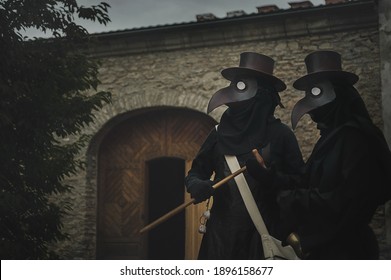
43	98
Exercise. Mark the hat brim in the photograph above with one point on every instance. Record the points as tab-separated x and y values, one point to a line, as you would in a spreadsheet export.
305	81
235	72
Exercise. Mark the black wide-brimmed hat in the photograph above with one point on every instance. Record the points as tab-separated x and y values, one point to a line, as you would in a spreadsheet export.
324	64
254	65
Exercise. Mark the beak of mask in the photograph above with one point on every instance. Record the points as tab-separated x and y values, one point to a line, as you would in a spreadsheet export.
239	90
316	96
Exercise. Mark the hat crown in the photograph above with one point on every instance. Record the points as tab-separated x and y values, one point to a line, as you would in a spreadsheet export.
324	65
323	61
257	62
256	65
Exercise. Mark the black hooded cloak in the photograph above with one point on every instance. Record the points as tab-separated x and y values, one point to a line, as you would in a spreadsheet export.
344	181
244	126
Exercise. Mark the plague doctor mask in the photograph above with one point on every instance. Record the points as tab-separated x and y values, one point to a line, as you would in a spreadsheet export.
324	68
253	67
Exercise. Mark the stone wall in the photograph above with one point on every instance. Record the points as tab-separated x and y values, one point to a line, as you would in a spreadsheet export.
188	78
180	66
385	70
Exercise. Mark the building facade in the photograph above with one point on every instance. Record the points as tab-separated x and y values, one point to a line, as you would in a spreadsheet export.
162	78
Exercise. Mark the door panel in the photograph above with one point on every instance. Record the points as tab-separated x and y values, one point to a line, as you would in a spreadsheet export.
123	180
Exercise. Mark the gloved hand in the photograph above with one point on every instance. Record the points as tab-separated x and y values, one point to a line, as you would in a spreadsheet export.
261	174
200	190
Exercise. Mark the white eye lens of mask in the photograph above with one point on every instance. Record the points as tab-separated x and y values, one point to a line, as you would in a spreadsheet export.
315	91
240	85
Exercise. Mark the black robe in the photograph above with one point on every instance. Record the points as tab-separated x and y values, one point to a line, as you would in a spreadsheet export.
344	181
230	232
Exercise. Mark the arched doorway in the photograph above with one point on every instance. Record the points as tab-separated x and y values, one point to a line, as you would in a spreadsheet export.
130	157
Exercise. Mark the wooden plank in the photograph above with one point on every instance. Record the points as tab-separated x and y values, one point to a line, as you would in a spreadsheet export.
121	181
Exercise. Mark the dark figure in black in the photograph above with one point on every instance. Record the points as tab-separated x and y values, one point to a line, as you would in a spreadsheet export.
247	124
347	175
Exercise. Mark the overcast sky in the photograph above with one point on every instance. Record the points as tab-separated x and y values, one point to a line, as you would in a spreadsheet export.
128	14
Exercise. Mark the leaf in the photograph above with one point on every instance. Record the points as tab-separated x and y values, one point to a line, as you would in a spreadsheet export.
43	98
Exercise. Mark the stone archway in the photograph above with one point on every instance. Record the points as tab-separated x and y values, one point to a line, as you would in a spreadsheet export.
123	155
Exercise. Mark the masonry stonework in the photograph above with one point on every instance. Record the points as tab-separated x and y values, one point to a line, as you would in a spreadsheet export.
188	73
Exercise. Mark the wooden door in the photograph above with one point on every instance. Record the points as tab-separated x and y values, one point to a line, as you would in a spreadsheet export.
123	193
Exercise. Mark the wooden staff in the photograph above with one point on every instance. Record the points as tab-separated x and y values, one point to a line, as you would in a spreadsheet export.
184	205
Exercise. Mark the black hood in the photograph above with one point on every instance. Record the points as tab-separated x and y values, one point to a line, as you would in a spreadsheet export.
349	110
348	106
243	125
